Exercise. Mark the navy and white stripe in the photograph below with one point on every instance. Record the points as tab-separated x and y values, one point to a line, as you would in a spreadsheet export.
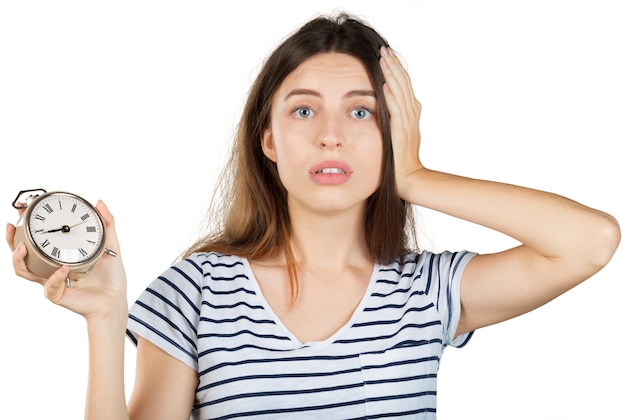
208	311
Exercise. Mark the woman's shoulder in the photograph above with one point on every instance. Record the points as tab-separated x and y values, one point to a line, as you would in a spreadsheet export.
214	259
428	257
210	264
425	261
199	269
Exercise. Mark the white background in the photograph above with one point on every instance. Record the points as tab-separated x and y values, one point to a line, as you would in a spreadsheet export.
134	102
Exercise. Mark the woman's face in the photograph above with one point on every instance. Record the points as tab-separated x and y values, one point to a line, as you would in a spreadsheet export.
324	135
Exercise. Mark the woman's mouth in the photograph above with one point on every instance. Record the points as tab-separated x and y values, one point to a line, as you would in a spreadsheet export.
330	172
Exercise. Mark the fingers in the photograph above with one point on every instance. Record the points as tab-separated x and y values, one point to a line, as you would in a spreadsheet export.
394	68
54	287
19	264
10	234
19	257
398	83
107	217
404	112
109	224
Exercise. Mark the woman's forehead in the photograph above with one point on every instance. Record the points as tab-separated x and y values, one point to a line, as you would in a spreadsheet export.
335	69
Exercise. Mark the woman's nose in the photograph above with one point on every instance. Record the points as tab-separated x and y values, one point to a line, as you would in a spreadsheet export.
331	134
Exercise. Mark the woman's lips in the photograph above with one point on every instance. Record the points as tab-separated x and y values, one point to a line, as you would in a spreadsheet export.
330	172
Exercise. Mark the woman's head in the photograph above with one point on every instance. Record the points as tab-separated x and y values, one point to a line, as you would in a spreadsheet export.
342	34
256	220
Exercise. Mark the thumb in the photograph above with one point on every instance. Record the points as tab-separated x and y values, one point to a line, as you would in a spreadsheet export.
54	288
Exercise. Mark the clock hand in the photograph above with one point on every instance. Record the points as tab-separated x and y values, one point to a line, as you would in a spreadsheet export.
57	230
65	228
73	226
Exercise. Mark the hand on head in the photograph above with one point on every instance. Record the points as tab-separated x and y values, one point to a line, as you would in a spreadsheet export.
404	110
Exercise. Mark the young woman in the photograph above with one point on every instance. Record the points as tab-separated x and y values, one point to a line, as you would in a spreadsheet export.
310	297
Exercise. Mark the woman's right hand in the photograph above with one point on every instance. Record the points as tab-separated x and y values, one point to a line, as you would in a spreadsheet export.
99	293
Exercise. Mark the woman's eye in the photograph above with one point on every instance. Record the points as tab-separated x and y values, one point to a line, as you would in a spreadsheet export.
304	112
361	113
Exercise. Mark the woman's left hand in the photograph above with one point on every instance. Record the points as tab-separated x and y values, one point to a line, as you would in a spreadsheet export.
562	242
404	110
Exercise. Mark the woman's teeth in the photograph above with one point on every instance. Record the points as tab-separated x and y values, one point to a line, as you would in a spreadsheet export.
331	171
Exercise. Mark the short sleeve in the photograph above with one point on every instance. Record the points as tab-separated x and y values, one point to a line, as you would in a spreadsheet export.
167	313
450	267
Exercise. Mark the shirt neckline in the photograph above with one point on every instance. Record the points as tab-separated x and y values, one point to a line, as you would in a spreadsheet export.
311	344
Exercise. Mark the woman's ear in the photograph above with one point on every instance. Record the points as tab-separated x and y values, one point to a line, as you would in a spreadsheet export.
267	144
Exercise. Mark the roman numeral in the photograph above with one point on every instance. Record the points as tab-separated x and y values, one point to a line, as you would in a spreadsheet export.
85	216
48	208
73	207
91	229
82	252
38	217
60	206
55	252
91	242
45	243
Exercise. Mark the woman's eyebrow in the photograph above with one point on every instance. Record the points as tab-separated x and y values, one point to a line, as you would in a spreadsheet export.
309	92
359	92
350	94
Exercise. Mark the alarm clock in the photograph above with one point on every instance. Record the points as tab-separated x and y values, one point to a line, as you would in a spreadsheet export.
59	228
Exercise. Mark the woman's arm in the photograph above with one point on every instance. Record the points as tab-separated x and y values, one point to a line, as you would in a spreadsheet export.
562	241
106	398
100	297
165	387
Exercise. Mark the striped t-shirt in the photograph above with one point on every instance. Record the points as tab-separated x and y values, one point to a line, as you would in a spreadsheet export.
208	311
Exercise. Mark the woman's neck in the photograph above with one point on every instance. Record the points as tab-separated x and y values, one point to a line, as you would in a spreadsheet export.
329	240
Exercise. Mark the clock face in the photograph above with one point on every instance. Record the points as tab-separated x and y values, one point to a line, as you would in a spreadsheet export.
65	228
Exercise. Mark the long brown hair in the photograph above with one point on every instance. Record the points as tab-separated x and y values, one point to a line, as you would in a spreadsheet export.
249	215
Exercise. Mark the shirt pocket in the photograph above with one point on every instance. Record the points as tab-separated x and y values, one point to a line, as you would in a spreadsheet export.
402	381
